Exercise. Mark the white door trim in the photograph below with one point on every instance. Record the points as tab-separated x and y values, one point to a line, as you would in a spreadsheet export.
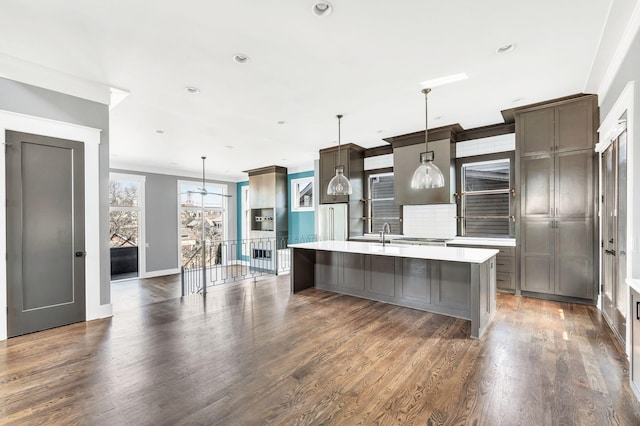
91	139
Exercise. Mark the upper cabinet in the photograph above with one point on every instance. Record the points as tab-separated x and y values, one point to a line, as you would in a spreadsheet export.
567	126
406	158
351	156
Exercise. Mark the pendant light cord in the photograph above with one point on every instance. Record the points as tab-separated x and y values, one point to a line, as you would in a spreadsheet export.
203	184
339	158
426	118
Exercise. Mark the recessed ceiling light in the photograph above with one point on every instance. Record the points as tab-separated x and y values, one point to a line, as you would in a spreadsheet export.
173	163
440	81
517	100
322	8
281	122
192	90
438	118
229	146
505	49
379	131
160	132
240	58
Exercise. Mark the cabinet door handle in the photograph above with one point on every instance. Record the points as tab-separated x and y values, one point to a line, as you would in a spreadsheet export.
637	310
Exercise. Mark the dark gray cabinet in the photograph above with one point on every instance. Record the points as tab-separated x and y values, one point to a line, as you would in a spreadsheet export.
415	280
352	273
557	257
327	268
382	276
565	126
351	156
505	265
556	230
560	185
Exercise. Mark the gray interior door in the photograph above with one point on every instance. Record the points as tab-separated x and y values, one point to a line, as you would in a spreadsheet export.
45	232
614	295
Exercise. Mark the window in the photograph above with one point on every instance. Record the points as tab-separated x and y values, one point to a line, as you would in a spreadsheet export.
381	207
202	217
246	220
126	224
302	194
486	199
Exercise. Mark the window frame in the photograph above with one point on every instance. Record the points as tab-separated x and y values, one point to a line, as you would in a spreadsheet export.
141	180
216	187
460	162
368	201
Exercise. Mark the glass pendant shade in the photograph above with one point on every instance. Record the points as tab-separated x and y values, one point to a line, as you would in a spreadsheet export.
339	184
427	175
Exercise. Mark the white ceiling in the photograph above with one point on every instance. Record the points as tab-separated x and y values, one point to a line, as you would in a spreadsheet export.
365	61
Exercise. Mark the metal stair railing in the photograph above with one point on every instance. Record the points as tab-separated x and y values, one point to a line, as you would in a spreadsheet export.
230	261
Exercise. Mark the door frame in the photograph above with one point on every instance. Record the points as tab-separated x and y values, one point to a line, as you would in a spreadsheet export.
91	139
607	131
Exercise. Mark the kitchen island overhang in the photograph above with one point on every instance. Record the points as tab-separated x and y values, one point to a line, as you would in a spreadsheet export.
453	281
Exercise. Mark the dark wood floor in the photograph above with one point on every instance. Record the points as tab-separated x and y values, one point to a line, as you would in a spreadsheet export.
257	355
133	293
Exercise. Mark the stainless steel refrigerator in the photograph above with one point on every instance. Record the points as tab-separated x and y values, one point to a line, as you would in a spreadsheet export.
333	222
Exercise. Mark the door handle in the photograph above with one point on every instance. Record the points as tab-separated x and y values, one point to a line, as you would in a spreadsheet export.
81	253
637	310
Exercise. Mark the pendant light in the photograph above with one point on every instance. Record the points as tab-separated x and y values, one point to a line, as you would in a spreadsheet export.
427	175
339	184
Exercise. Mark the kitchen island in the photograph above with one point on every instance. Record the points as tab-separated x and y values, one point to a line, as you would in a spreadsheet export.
454	281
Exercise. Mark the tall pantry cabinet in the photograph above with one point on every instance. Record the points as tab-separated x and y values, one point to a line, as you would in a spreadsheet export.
557	227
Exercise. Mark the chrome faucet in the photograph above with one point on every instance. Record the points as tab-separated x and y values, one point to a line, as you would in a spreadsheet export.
386	228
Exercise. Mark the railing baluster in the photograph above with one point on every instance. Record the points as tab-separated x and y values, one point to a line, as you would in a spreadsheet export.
238	260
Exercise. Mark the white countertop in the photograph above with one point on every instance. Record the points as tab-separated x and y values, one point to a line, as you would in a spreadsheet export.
498	242
634	283
451	254
476	241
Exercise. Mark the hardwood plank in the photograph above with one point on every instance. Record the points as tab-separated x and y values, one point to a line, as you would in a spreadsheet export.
252	353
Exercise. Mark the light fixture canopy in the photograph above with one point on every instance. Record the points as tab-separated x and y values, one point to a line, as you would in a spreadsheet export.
322	8
505	49
241	58
339	184
427	175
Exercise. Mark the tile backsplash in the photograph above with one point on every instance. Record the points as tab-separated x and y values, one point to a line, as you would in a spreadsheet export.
429	221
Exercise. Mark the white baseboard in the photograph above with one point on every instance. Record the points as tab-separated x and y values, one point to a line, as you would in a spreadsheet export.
161	273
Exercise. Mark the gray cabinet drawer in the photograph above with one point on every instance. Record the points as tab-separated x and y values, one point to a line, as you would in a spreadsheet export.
506	251
505	281
505	264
